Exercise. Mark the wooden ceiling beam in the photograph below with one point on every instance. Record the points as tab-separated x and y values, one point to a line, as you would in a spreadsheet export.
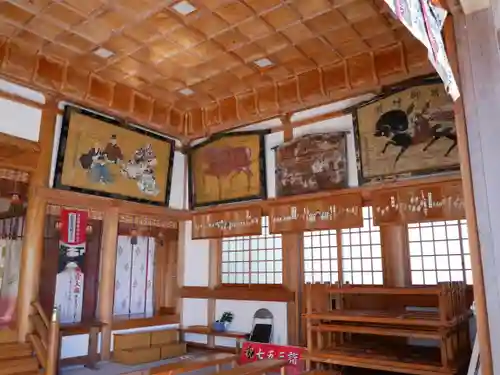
52	77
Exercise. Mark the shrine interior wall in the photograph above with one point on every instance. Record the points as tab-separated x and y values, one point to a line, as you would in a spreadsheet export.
23	121
196	252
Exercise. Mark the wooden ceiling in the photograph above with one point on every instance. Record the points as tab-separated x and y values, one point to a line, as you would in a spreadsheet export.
320	50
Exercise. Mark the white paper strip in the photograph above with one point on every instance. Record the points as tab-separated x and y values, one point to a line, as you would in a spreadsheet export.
425	22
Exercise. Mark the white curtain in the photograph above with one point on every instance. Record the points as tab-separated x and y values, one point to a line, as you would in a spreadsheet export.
134	276
11	251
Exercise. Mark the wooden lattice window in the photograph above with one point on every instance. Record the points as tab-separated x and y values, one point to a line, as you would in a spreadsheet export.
253	259
439	252
321	257
355	257
362	253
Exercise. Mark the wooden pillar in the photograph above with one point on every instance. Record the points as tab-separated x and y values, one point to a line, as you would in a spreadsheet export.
107	281
213	281
32	252
293	280
475	64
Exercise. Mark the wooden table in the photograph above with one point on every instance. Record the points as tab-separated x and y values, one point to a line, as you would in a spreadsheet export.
208	331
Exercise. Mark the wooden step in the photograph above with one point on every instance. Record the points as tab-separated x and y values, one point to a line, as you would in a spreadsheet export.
8	336
19	366
15	350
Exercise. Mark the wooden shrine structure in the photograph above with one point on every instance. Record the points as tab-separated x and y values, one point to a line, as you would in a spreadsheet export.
221	71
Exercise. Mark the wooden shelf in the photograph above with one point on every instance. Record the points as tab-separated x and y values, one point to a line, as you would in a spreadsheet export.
379	331
413	318
384	358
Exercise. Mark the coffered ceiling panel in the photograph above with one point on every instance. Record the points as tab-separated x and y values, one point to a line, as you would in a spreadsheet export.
193	59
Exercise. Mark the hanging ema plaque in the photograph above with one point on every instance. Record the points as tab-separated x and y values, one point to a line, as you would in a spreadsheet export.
333	212
243	222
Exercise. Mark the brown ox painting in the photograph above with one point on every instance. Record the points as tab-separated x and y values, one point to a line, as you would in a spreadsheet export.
228	168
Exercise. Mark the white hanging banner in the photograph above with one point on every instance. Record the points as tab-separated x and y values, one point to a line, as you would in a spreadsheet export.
425	21
70	278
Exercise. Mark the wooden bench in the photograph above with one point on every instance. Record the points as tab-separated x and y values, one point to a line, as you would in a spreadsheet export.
257	368
196	363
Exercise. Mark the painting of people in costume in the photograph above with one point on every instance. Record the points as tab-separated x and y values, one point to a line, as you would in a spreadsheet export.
101	155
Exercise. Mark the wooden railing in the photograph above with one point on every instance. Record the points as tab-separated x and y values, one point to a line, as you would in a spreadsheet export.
45	338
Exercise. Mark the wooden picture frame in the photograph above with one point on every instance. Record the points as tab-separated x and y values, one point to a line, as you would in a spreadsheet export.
136	165
407	131
249	152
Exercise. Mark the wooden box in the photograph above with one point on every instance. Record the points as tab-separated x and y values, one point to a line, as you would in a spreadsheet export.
137	356
169	336
132	340
173	350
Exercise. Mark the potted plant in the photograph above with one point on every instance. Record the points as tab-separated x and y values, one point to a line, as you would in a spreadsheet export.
221	324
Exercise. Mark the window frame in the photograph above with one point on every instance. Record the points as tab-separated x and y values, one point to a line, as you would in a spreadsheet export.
461	225
249	284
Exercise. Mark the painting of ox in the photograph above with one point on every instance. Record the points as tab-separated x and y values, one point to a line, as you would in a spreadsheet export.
102	156
227	168
312	163
406	133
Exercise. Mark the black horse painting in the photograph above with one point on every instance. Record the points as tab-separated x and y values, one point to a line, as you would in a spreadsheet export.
405	129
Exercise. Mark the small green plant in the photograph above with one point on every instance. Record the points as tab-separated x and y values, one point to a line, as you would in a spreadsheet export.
226	318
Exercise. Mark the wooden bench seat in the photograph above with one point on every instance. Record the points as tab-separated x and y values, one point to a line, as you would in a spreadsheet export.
256	368
196	363
379	331
322	372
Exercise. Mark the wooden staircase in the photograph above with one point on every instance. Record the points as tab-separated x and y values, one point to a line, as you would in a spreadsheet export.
39	355
16	358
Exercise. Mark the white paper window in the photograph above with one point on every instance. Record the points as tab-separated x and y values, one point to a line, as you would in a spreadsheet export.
362	253
253	259
439	252
321	257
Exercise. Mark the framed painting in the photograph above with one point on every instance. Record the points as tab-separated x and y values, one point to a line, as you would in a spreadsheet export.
406	133
99	155
312	163
228	168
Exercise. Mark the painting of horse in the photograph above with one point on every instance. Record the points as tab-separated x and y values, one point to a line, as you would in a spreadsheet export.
409	132
228	168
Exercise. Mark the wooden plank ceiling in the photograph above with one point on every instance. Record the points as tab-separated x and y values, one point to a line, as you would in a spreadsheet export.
196	73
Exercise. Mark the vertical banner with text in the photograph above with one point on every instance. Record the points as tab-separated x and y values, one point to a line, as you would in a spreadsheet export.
70	278
425	21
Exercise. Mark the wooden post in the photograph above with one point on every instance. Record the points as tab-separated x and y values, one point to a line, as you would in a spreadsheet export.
461	65
107	281
32	251
53	344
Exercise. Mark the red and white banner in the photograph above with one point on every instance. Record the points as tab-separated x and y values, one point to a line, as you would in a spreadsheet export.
73	226
70	278
425	21
255	351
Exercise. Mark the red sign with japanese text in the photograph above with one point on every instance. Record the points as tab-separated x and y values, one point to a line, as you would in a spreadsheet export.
73	226
255	351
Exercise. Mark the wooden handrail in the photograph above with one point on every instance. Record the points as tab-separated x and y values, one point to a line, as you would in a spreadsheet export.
40	312
45	338
53	345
